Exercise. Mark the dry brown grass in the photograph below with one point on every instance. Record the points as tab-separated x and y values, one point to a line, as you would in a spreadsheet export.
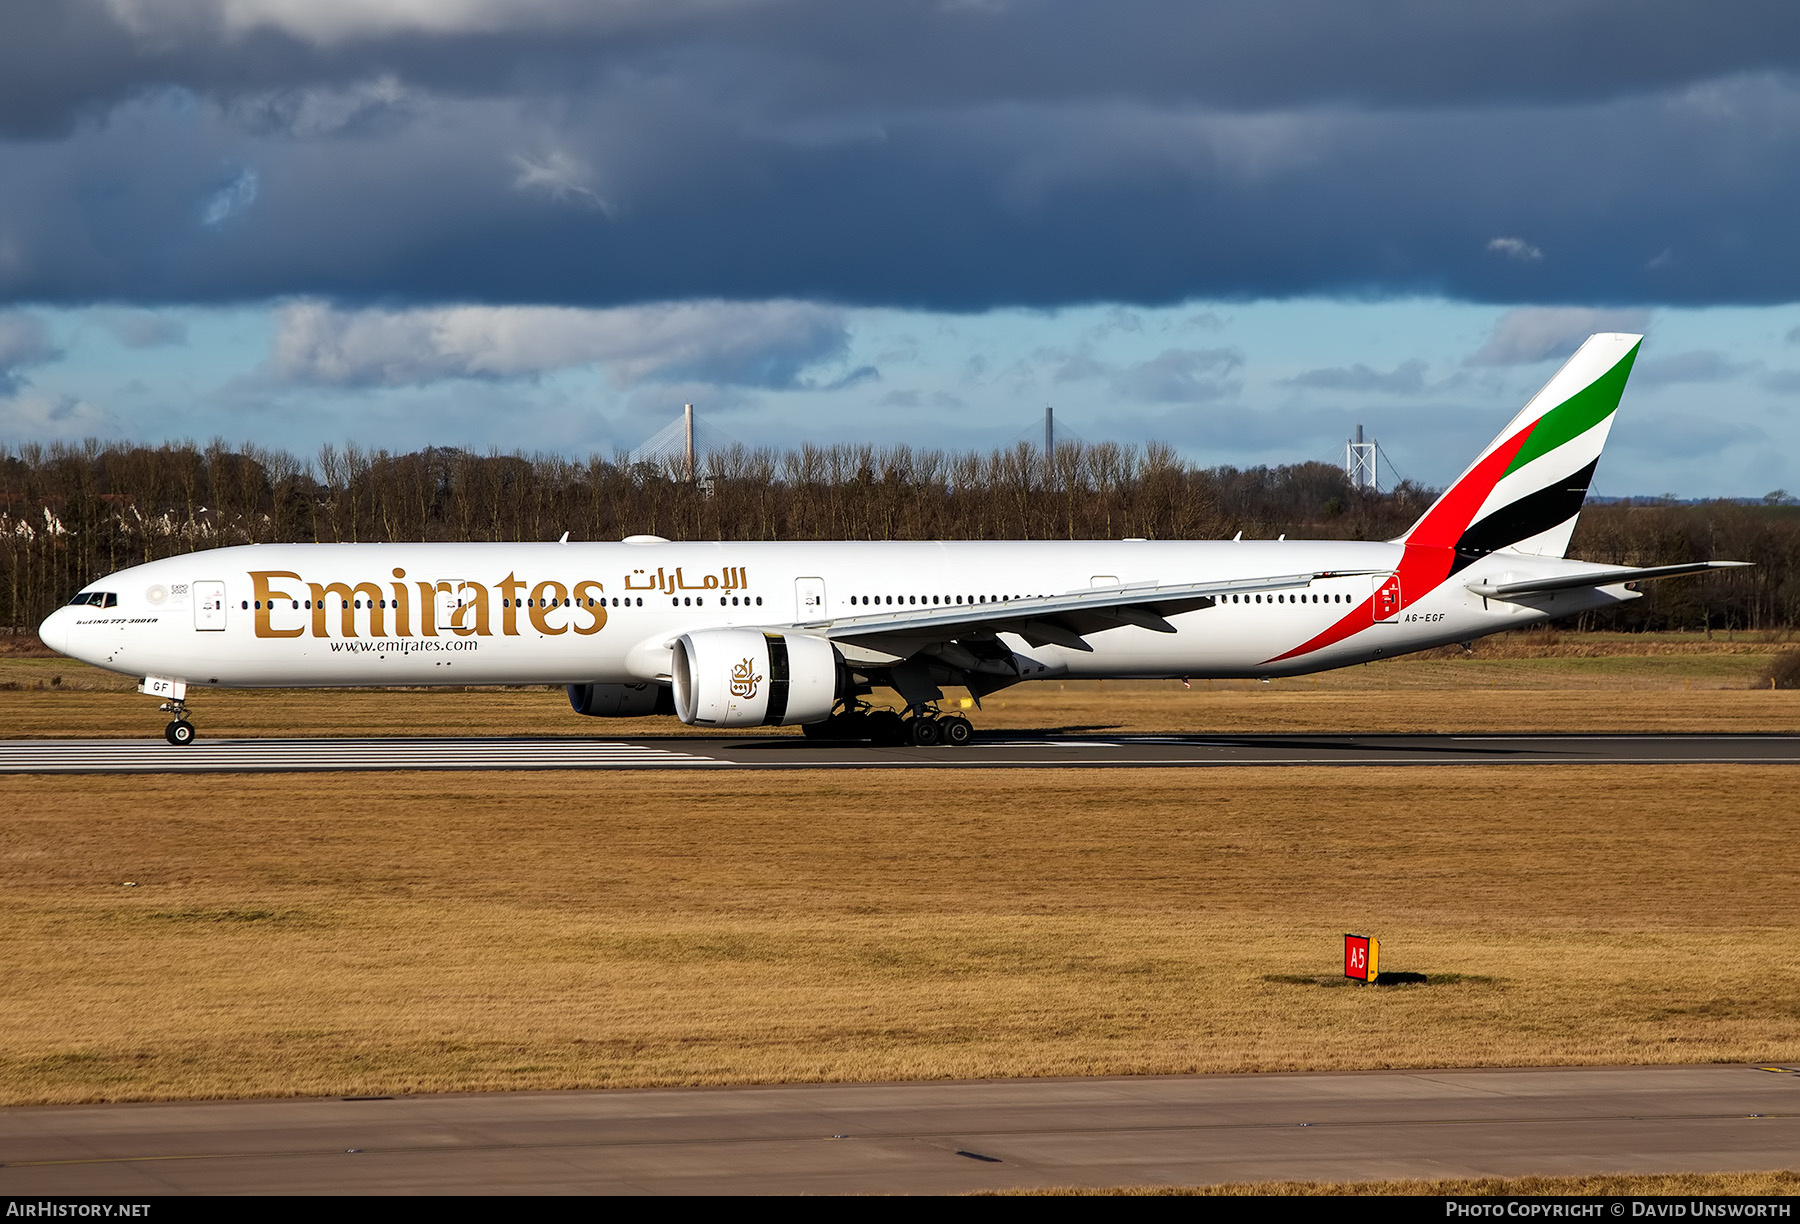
436	932
1635	1185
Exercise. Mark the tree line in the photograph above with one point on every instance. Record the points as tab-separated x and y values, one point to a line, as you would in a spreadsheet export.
71	513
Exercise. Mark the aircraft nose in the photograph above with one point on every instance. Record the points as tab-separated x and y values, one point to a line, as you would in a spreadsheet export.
54	632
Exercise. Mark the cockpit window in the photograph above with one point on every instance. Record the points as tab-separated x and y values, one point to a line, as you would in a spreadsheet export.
99	599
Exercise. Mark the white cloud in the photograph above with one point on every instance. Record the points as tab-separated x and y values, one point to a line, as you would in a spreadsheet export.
1181	376
1407	378
1515	248
560	176
326	22
1538	333
330	110
142	328
42	417
233	197
24	341
1173	376
758	344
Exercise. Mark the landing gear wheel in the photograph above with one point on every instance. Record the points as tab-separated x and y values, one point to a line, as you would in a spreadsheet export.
180	733
923	731
956	730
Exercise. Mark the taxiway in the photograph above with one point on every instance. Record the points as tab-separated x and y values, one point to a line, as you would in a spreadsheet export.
927	1138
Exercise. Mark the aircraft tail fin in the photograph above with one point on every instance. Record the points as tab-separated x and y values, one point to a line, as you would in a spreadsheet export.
1526	489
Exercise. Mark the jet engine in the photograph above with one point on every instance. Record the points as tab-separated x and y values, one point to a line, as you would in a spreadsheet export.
748	678
620	700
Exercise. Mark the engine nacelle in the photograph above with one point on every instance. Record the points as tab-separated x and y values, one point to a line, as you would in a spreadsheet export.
747	678
621	700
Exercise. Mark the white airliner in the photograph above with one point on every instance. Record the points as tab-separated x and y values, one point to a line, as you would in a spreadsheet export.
764	634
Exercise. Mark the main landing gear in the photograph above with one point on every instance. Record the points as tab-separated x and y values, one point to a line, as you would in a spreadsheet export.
925	728
952	730
180	732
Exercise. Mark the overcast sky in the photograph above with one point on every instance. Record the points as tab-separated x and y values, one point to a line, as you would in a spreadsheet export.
1239	228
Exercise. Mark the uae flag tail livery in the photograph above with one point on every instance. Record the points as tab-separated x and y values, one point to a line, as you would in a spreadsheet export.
1525	490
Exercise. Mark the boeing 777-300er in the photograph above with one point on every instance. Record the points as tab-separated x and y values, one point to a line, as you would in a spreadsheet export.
766	634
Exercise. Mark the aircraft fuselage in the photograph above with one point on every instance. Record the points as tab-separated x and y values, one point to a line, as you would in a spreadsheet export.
333	615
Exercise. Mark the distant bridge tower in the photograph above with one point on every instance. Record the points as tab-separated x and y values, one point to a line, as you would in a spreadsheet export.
687	419
675	449
1359	463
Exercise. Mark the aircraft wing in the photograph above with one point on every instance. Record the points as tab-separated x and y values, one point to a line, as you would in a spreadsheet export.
1059	620
1611	575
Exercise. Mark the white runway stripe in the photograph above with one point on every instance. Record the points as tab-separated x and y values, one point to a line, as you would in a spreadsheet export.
104	756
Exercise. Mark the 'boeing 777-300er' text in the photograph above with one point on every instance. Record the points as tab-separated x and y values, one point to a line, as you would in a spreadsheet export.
763	634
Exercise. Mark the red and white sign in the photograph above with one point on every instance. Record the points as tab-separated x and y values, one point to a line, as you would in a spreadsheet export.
1360	953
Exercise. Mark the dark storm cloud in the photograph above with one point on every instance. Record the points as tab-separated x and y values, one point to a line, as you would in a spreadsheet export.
941	155
64	58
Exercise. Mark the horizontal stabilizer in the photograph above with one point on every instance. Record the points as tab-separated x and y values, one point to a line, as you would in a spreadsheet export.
1609	576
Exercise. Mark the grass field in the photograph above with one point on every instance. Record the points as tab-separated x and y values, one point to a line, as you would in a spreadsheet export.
437	932
353	934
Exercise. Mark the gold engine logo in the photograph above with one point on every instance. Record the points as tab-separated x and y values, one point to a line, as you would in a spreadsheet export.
744	680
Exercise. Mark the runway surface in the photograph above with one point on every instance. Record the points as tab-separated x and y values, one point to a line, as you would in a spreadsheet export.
924	1138
995	751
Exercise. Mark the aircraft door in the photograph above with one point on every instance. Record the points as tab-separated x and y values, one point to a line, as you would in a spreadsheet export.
209	605
448	604
1387	600
809	599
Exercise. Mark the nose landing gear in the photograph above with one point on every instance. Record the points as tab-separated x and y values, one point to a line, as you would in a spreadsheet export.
180	732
